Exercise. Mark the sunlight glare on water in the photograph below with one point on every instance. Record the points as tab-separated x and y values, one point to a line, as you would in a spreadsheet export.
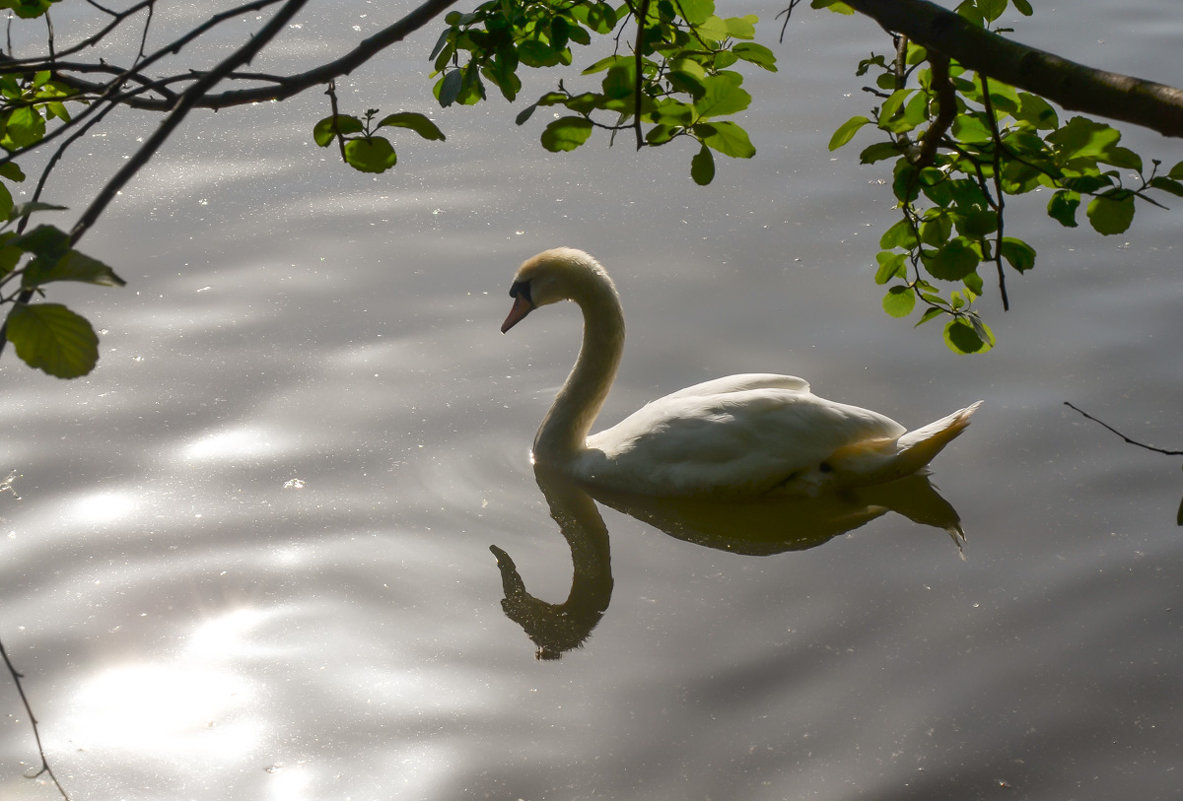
195	705
236	444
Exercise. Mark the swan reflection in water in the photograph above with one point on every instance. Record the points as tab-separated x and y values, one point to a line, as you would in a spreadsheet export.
752	463
750	527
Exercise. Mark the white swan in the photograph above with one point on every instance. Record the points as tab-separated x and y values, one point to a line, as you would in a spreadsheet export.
739	436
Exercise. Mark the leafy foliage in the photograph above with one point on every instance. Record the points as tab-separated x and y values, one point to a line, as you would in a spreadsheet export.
962	144
676	83
958	143
47	336
361	147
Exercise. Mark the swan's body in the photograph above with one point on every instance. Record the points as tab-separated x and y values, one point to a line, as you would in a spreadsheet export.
742	435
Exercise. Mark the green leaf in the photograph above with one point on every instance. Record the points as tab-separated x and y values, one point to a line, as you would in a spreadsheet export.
609	62
21	209
847	130
325	131
977	222
45	241
971	129
1111	214
891	106
836	6
25	127
28	9
899	301
891	265
525	114
1176	172
900	236
418	123
730	140
878	152
1023	7
702	167
931	314
372	154
447	89
6	202
51	338
964	337
12	172
73	266
1082	138
697	12
936	230
1020	255
756	54
991	9
722	95
534	53
953	262
566	133
1167	185
741	27
1062	207
1036	112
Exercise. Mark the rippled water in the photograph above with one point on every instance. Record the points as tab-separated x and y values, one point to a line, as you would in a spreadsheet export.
249	557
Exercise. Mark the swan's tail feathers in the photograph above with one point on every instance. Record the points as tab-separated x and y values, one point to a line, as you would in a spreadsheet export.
918	448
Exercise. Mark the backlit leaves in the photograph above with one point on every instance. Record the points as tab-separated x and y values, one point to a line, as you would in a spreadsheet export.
685	89
952	178
361	148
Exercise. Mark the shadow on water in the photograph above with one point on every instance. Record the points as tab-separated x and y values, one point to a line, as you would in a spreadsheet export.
751	528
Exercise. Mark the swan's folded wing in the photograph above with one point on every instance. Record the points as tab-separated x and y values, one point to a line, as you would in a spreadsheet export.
741	382
736	442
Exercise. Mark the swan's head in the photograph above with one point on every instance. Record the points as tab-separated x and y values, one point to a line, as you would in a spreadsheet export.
554	275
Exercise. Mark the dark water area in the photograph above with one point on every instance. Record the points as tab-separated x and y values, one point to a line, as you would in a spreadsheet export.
249	557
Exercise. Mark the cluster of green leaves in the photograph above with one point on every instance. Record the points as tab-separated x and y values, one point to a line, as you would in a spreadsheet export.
47	336
962	144
675	82
361	147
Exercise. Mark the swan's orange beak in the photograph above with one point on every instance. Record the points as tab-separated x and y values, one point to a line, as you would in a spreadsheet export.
521	307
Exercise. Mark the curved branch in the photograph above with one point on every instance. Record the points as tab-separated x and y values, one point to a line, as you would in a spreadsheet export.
186	104
278	87
1074	86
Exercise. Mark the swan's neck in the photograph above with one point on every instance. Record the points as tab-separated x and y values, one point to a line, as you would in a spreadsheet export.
564	430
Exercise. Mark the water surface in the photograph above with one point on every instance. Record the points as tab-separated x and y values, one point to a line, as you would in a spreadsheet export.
251	558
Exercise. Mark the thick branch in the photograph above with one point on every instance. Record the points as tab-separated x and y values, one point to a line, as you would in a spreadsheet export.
276	87
1071	85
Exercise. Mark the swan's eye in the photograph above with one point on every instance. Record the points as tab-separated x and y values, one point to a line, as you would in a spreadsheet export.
521	289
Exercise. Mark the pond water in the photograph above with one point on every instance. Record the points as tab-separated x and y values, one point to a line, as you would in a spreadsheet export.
249	557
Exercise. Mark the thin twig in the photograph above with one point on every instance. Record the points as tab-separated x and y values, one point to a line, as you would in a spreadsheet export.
16	679
332	93
1123	436
186	103
639	78
999	202
788	13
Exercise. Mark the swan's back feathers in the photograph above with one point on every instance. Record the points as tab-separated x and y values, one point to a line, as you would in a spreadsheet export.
742	382
776	437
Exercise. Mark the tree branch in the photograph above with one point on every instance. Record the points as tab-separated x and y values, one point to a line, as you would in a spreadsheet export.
16	679
186	104
1074	86
277	88
1088	416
